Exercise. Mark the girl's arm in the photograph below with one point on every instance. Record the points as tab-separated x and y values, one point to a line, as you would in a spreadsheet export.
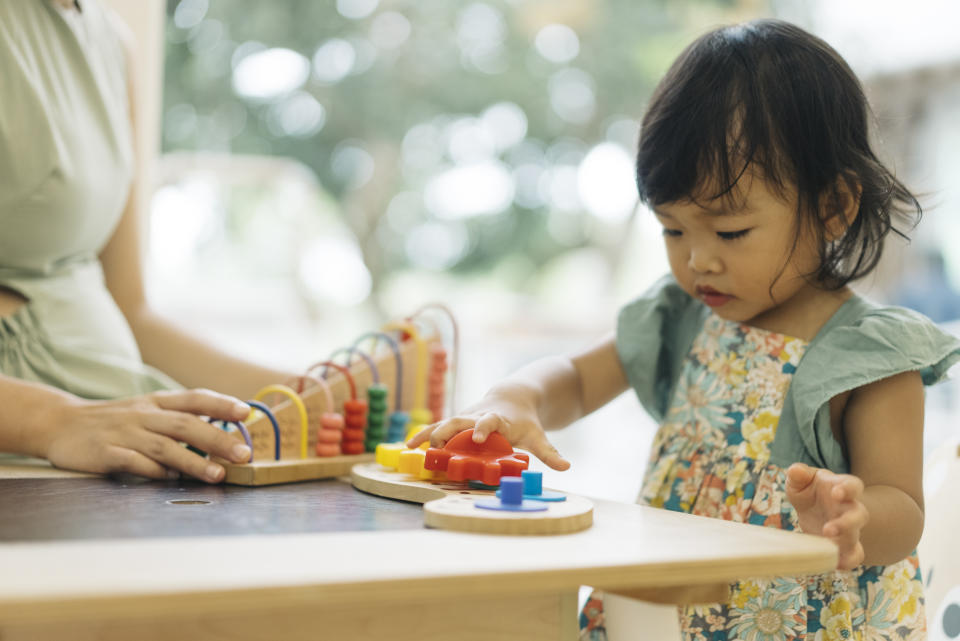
163	343
875	514
547	394
883	426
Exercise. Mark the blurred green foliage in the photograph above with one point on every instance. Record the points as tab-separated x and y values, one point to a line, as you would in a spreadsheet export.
417	62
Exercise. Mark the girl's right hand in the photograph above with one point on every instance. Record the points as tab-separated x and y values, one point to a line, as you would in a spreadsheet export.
144	435
504	411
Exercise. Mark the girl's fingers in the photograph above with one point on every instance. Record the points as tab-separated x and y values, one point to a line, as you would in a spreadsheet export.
486	425
544	450
203	401
800	477
847	560
847	488
445	430
850	522
193	430
421	437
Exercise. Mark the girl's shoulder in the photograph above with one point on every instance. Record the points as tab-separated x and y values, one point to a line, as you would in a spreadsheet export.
654	334
663	300
862	343
868	342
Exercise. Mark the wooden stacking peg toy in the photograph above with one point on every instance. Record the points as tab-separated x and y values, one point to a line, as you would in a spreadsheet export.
510	498
453	505
463	459
533	488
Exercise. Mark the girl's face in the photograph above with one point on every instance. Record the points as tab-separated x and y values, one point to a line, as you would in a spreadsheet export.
746	259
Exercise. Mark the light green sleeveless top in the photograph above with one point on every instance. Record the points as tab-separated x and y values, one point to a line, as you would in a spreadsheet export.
66	165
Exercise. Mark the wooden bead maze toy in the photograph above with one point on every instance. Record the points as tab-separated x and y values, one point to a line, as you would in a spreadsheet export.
321	424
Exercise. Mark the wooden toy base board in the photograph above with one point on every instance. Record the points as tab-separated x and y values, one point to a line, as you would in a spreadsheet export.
449	505
292	470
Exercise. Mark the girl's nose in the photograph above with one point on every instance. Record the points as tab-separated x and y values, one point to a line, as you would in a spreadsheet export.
703	261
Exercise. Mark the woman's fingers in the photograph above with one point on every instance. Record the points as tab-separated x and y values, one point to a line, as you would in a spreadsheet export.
203	402
197	432
123	459
171	454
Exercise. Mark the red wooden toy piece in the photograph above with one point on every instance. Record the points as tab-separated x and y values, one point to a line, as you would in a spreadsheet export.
464	460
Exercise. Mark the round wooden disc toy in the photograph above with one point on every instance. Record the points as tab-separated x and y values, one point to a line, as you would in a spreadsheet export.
450	505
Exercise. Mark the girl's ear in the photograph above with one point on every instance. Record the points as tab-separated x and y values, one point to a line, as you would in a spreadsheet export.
840	205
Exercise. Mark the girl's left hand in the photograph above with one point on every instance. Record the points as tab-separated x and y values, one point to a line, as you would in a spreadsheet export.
829	504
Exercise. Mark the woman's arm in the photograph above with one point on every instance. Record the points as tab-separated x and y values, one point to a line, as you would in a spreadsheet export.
140	435
163	343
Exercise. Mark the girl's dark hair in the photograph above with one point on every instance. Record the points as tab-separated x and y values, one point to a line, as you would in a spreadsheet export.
771	95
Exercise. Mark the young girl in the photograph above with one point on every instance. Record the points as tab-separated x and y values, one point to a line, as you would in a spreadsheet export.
785	400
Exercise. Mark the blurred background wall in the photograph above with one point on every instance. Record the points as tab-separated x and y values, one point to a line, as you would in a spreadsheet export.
328	165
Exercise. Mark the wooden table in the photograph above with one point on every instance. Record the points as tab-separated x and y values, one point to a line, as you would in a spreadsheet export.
289	566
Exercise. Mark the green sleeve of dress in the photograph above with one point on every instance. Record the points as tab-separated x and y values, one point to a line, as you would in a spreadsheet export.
654	334
860	345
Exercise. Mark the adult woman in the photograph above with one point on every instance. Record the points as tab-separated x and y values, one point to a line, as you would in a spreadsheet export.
90	376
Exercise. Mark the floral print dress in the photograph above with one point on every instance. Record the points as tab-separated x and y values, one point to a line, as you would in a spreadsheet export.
711	457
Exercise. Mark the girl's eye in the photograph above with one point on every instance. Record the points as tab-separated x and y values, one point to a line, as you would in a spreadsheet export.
671	233
732	235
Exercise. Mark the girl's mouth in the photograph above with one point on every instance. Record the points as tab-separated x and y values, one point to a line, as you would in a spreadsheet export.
712	297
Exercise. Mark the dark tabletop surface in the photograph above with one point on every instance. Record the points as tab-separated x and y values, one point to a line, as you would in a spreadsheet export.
94	508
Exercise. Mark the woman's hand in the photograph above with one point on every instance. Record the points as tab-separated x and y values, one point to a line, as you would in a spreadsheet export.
144	435
506	410
830	505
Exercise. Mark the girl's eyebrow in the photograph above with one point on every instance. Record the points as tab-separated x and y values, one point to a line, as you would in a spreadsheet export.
737	209
718	212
